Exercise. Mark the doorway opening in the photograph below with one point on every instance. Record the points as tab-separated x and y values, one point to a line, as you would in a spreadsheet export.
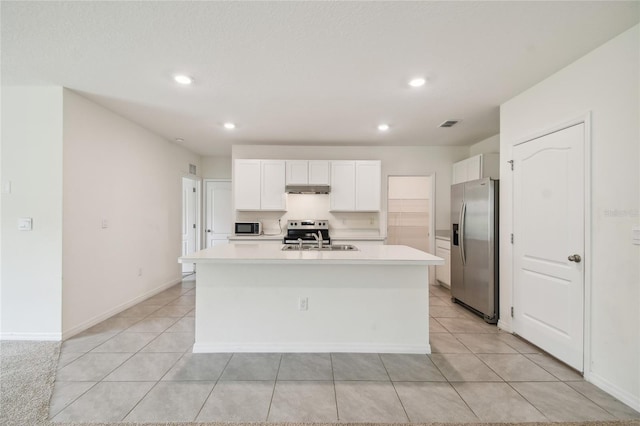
410	218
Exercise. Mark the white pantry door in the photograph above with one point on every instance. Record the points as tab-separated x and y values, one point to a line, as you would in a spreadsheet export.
548	197
218	212
188	221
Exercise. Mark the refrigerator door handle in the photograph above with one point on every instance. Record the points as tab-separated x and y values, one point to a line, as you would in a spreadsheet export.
463	212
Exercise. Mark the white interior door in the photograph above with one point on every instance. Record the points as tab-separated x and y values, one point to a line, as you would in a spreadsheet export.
548	196
218	212
189	217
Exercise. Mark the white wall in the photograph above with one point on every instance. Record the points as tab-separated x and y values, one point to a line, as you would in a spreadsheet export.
396	161
118	171
31	286
487	146
215	167
605	83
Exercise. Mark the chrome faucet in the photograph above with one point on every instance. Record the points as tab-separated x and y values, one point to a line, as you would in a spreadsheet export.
318	238
299	243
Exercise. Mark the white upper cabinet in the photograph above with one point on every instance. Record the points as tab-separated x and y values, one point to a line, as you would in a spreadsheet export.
259	185
476	167
355	185
272	195
303	172
247	177
368	174
343	185
319	172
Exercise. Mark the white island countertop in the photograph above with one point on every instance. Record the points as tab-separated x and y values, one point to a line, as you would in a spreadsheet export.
273	254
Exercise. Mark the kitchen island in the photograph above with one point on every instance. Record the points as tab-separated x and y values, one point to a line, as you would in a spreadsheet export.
258	298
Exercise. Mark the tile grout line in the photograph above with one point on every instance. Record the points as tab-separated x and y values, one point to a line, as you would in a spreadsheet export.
394	388
335	392
531	403
451	384
51	417
213	388
122	363
275	381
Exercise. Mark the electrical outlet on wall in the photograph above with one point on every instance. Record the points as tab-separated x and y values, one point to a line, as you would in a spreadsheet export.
303	303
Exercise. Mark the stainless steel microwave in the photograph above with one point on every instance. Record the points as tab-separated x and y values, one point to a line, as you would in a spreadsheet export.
248	228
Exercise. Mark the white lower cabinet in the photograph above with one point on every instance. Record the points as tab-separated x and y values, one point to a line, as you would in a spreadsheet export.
443	272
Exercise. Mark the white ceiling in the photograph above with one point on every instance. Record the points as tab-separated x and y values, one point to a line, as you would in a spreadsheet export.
303	72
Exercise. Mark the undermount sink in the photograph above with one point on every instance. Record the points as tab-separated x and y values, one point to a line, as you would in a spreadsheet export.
333	247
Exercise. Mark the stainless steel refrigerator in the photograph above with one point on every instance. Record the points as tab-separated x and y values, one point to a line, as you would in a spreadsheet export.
474	246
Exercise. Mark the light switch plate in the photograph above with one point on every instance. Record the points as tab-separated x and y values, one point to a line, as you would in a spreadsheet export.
635	234
6	187
25	224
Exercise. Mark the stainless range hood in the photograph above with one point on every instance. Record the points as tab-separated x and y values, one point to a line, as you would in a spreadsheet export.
307	189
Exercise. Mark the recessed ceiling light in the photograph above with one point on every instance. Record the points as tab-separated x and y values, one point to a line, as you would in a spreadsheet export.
183	79
179	140
417	82
229	126
383	127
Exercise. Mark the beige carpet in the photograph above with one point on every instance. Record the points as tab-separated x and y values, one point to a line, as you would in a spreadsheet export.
27	372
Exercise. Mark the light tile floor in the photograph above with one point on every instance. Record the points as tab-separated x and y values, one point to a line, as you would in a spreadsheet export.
137	366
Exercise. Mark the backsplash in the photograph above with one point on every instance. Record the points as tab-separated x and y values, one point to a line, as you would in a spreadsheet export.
315	206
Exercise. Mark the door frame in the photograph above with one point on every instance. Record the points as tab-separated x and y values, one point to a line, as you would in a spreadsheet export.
205	201
432	214
585	119
198	182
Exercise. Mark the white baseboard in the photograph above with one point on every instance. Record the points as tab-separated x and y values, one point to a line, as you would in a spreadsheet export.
310	347
628	398
504	326
50	337
116	310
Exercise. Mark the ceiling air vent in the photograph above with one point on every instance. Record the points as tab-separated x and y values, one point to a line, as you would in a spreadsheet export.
449	123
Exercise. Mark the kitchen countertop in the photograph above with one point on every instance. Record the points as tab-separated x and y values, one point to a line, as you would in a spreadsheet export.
357	237
443	234
256	237
334	236
272	254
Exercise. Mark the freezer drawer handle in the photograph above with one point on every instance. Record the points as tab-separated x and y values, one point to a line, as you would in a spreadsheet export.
575	258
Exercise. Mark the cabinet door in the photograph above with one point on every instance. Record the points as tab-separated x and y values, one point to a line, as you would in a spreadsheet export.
443	272
459	172
474	167
319	172
297	172
246	179
343	185
368	176
272	196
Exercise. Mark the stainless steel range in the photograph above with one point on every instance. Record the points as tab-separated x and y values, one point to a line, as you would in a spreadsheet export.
308	231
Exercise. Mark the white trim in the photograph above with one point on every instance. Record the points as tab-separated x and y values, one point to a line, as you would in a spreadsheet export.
50	337
588	229
584	118
66	334
505	326
305	347
626	397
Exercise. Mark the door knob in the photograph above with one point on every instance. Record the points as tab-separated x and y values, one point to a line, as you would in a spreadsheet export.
575	258
208	230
